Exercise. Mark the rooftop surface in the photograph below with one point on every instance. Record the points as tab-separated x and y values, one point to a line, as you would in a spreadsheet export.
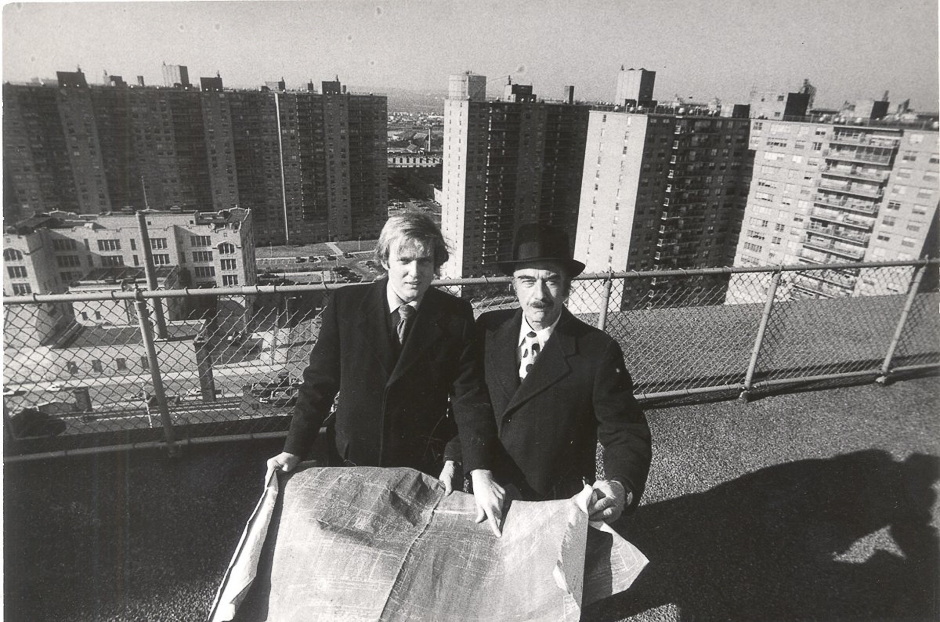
819	504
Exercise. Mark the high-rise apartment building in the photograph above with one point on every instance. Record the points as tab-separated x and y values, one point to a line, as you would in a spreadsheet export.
636	86
661	192
310	166
175	75
825	193
776	105
506	163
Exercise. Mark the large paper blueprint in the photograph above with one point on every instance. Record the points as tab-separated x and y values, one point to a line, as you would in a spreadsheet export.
387	544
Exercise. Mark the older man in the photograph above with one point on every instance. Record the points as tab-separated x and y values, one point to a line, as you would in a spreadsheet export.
395	350
558	386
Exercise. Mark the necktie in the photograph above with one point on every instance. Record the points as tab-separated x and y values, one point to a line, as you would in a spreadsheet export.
405	313
530	350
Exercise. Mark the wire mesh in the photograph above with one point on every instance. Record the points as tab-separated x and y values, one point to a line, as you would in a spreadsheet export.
77	373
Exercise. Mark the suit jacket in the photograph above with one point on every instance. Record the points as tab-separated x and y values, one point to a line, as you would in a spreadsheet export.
393	400
577	393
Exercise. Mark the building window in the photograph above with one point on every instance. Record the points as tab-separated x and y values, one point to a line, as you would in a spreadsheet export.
226	248
200	240
754	248
12	255
157	243
889	221
109	245
161	259
232	279
17	272
894	205
133	244
202	256
229	264
908	242
22	289
112	260
924	193
120	364
63	245
204	272
919	210
884	238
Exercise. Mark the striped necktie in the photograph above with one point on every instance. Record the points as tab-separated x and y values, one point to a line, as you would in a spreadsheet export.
530	350
405	313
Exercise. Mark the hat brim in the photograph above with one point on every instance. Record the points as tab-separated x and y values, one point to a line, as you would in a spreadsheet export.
572	267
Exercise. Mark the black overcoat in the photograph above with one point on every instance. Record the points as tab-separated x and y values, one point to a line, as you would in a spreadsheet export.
392	409
578	393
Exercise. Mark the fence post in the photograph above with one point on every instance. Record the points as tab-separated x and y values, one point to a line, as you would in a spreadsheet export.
146	331
899	330
755	353
602	317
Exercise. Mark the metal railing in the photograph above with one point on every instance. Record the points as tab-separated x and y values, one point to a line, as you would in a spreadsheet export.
79	378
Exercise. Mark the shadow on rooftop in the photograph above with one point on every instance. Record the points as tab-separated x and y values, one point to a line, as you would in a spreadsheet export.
843	538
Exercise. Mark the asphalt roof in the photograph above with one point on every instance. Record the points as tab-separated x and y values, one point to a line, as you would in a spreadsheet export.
807	505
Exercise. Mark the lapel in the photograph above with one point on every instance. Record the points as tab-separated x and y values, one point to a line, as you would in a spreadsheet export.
551	365
425	333
373	326
501	354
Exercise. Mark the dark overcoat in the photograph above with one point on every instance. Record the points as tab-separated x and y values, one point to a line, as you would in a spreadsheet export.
578	393
392	409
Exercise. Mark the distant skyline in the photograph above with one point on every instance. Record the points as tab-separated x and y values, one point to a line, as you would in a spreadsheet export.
699	50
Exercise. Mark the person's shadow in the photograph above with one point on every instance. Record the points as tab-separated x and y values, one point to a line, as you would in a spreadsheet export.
845	538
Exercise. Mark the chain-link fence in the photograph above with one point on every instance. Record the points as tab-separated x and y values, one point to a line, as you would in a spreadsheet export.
134	368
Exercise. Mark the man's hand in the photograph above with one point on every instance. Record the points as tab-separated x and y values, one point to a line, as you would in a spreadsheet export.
608	501
283	461
448	476
489	497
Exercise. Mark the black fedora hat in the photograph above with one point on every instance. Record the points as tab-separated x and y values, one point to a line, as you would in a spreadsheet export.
537	242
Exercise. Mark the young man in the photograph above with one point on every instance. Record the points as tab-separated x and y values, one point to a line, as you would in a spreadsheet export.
394	350
558	386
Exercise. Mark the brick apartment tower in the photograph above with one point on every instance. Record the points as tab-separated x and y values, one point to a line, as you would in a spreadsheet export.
660	192
309	166
825	193
506	163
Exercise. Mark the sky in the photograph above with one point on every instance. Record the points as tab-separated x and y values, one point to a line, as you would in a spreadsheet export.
848	49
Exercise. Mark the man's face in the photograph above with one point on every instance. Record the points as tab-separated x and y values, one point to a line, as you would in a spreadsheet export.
410	269
541	288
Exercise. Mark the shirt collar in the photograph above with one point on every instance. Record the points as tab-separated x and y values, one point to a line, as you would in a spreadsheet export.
394	301
541	335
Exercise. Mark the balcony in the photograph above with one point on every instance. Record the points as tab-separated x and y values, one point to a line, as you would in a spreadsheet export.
840	278
843	218
831	246
838	233
843	203
854	173
862	190
866	140
845	155
817	288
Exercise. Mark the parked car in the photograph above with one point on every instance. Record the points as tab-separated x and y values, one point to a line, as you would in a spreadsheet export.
280	397
331	257
300	259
